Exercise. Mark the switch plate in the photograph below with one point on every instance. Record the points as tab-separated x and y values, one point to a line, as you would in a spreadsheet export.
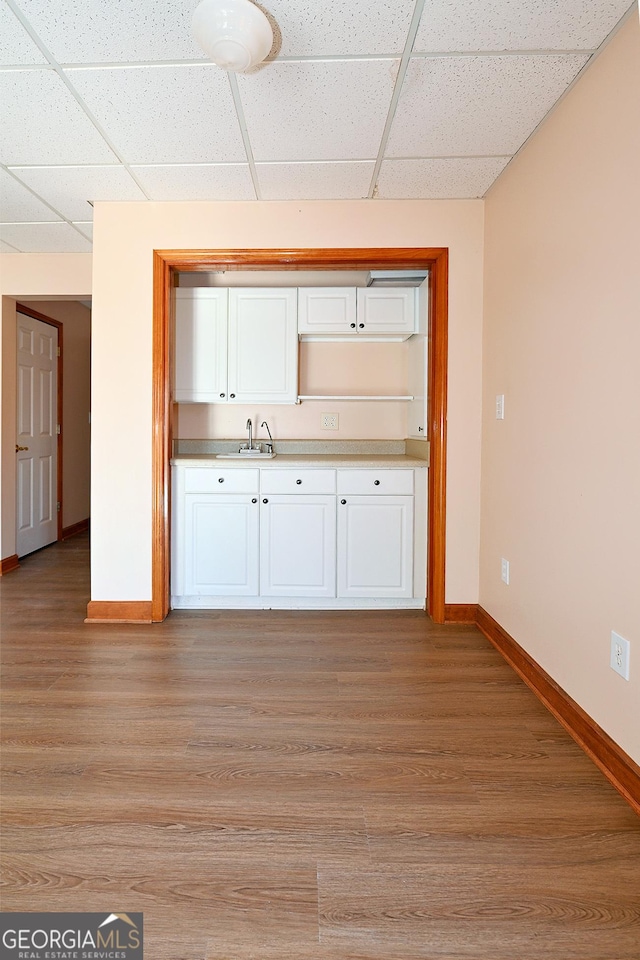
500	406
504	565
329	421
620	655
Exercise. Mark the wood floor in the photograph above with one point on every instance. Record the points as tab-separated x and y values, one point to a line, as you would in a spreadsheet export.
298	786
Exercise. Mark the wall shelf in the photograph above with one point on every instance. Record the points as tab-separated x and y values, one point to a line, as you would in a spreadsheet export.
334	396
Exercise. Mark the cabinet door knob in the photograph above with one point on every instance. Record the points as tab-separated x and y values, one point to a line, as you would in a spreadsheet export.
223	394
255	500
343	501
232	395
361	325
265	500
298	481
376	483
352	325
220	479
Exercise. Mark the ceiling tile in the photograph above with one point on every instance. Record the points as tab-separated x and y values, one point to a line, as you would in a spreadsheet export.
93	31
328	110
16	46
514	25
69	188
208	181
461	106
181	114
44	238
315	181
335	27
42	122
17	204
461	178
5	248
85	227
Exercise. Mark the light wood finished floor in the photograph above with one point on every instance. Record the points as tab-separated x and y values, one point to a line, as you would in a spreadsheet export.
298	786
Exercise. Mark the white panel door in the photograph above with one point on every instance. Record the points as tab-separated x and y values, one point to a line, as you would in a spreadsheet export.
375	546
386	310
298	545
324	310
263	345
221	545
36	435
201	345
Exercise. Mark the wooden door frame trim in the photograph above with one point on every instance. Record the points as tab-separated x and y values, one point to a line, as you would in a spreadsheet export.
167	262
35	315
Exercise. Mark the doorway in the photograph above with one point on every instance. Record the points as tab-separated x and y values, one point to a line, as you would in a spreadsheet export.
167	263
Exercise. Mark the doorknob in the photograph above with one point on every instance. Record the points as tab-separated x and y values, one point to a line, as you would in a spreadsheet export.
18	448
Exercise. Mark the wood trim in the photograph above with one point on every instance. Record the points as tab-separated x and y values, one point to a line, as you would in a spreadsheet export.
460	612
36	315
617	766
80	527
9	564
119	611
166	262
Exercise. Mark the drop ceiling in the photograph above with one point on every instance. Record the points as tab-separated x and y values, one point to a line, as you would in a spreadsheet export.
378	99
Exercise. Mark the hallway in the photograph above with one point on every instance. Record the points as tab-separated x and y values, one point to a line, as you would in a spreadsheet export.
299	786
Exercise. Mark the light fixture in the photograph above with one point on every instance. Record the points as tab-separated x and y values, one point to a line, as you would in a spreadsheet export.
235	34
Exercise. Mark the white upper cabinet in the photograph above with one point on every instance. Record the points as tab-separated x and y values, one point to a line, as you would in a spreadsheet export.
326	310
372	311
386	310
263	345
236	345
201	345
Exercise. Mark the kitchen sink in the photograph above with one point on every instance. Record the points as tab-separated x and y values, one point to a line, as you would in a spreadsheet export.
246	455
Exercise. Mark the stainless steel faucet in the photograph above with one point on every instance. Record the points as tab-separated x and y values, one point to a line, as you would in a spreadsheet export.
269	445
249	428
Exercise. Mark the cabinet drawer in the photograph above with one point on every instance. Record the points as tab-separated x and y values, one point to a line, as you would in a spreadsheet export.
298	481
382	481
212	480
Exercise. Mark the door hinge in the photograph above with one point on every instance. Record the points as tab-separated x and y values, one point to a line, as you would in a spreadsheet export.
58	506
58	429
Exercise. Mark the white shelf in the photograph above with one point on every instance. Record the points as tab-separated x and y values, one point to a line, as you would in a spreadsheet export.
368	397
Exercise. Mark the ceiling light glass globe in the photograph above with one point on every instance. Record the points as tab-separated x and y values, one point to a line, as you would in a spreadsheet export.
235	34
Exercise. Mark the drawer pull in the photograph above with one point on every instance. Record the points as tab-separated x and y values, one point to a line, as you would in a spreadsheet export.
254	500
220	479
265	500
343	501
376	483
298	481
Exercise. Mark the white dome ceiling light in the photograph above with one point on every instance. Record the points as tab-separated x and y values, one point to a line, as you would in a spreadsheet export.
235	34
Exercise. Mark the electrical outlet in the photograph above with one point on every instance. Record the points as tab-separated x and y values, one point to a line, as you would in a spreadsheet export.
500	406
504	564
619	655
329	421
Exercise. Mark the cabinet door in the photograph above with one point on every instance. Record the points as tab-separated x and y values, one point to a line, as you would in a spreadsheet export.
221	545
324	310
263	346
201	345
386	310
375	546
298	546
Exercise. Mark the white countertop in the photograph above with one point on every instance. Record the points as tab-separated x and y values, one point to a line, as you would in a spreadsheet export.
284	460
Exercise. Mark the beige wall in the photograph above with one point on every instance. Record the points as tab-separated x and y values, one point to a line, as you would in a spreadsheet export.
561	473
24	277
76	403
124	239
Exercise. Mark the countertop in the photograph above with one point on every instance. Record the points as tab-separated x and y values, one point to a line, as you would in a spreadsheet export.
283	460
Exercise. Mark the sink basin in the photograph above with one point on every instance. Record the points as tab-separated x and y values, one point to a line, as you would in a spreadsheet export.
245	455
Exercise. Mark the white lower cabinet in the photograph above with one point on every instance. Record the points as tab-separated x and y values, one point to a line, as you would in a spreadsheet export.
298	546
249	537
375	546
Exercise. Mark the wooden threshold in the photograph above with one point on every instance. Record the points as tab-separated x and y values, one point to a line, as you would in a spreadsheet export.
119	611
617	766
